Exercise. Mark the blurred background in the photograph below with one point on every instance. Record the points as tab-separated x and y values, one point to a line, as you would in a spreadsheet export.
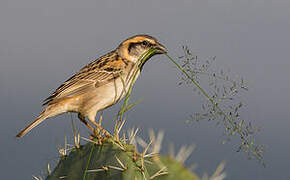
42	43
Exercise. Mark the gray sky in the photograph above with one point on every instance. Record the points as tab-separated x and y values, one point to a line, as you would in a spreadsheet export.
42	43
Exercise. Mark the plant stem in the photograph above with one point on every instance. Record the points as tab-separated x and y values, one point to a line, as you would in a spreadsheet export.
215	104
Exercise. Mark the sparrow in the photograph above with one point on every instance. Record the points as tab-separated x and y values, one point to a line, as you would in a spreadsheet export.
100	84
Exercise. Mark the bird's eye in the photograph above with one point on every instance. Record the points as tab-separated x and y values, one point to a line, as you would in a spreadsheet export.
145	43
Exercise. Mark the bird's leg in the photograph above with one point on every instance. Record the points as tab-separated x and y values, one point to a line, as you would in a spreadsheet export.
99	127
83	120
100	118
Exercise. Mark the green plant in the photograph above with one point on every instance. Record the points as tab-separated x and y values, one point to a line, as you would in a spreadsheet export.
111	159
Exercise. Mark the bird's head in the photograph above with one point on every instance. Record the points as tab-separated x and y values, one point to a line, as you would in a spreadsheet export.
134	47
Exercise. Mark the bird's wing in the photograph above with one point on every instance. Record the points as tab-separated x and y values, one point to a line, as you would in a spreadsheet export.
88	78
81	83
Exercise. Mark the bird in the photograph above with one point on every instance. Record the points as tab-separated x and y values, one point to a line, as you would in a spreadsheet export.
100	84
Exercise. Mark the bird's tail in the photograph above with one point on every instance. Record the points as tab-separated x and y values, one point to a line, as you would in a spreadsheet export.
47	113
37	121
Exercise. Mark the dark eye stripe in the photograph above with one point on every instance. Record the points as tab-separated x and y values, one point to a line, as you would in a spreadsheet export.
131	45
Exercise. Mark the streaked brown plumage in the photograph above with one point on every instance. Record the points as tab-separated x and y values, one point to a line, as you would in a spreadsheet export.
100	84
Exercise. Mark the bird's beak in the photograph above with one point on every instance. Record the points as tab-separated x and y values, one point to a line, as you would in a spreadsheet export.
160	48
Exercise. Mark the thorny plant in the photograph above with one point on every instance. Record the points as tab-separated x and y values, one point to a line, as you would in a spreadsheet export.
149	154
220	104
